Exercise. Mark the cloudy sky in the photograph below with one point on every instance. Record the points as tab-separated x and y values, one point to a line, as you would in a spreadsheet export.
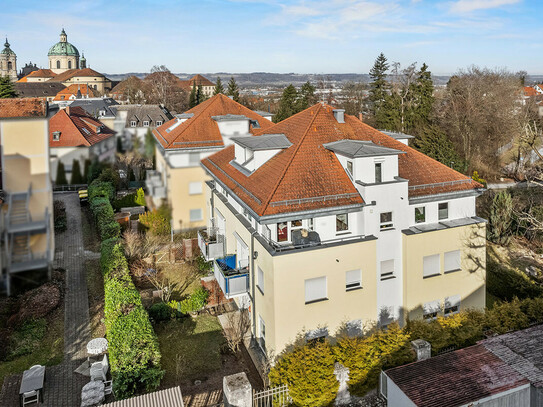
303	36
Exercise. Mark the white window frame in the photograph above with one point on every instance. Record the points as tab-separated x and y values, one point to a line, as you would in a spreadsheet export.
159	123
431	310
380	164
260	279
451	305
423	214
350	168
146	123
133	123
321	293
452	264
353	280
431	265
439	217
387	225
193	218
387	269
196	188
343	231
194	161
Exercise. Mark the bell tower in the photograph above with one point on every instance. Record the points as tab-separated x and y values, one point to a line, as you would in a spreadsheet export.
8	62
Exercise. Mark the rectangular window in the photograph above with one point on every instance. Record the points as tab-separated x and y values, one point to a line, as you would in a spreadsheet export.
386	220
194	159
443	210
196	215
350	168
354	327
387	269
311	224
159	123
452	261
420	214
431	309
260	280
431	266
195	188
315	289
145	123
317	335
342	222
378	173
133	123
452	305
294	226
282	232
353	279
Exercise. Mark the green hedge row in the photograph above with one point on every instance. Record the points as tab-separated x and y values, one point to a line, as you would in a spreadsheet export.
134	352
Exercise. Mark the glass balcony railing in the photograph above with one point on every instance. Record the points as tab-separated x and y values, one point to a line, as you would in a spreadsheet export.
211	244
232	274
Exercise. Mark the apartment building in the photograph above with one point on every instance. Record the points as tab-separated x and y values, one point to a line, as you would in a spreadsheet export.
321	222
180	145
27	208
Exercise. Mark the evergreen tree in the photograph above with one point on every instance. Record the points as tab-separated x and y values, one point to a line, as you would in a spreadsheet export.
140	197
307	96
218	87
61	174
77	177
233	89
192	97
378	89
423	95
7	90
149	144
86	170
131	175
434	143
199	95
119	145
288	105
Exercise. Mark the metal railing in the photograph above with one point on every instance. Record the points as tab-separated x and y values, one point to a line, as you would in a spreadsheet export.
278	247
232	275
441	184
323	198
211	243
272	397
69	187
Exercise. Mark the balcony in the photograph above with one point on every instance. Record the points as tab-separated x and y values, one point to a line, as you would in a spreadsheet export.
211	244
154	184
232	275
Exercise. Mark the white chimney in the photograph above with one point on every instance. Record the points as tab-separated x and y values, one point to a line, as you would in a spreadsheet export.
339	114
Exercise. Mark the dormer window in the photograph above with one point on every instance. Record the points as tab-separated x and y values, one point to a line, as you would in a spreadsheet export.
146	123
350	168
98	130
102	113
133	123
56	135
159	123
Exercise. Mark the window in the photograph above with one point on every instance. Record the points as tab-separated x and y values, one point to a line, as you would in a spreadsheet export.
342	222
431	309
260	280
133	123
282	232
354	327
262	337
431	266
145	123
378	173
353	280
383	385
196	215
194	159
195	188
56	135
317	335
294	226
62	97
420	214
159	123
310	224
452	261
443	210
58	64
350	168
69	64
452	305
387	269
315	289
386	220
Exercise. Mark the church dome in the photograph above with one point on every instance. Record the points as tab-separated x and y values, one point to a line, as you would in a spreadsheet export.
63	47
7	50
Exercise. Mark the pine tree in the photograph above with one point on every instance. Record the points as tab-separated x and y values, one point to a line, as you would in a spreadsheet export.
61	174
77	177
423	99
7	90
86	170
233	89
192	98
287	104
378	88
218	87
119	145
199	95
140	197
433	142
307	96
149	144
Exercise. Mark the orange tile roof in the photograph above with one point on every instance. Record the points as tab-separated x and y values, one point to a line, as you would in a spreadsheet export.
529	91
196	79
312	173
77	128
27	107
72	91
201	130
71	73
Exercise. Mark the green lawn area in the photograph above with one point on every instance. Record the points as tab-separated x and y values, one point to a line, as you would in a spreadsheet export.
190	348
35	342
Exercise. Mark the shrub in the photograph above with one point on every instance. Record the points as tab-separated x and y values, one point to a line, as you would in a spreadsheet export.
59	215
507	316
77	177
160	312
134	199
501	218
61	174
101	189
478	179
196	301
203	265
506	284
140	197
157	221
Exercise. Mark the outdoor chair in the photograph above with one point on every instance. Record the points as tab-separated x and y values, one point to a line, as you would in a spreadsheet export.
31	397
108	387
98	370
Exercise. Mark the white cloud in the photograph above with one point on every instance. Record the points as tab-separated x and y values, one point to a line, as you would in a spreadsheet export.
466	6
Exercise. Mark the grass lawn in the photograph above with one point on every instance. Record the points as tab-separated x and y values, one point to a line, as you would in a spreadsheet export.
36	342
190	348
95	287
91	240
185	276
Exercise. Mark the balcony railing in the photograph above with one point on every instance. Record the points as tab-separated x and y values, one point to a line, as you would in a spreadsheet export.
154	184
232	275
211	244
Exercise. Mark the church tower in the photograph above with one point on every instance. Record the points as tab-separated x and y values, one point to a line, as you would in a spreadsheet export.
63	55
8	62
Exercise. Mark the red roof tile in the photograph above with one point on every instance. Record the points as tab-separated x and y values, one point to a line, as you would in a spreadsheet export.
309	172
40	73
529	91
72	91
456	378
71	73
201	130
77	128
27	107
197	80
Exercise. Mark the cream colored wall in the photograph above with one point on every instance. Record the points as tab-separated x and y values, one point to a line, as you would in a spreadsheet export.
101	82
469	282
63	63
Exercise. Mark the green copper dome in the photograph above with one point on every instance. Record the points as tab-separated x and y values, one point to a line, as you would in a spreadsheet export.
7	50
63	47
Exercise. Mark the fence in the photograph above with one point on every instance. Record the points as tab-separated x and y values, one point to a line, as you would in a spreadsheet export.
70	187
272	397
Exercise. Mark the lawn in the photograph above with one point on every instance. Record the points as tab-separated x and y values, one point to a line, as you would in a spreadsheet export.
190	347
91	240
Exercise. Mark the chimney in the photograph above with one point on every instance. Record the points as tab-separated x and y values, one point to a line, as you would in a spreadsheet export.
339	114
360	116
422	348
68	110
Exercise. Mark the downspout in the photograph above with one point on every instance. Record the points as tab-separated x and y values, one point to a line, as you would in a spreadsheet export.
253	280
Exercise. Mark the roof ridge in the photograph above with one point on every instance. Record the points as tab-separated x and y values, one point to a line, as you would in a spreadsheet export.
276	186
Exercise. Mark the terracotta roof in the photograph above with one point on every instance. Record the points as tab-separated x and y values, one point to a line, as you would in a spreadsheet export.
77	128
72	90
456	378
27	107
71	73
40	73
308	171
196	79
201	130
529	91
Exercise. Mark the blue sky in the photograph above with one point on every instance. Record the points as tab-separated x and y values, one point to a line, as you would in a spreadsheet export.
317	36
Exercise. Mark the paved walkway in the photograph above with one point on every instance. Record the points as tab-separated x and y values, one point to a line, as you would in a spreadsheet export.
63	386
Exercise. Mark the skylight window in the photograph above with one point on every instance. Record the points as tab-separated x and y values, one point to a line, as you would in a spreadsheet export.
85	130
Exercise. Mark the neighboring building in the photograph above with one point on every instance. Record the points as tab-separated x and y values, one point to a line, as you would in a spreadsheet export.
86	76
100	108
529	91
182	142
76	135
40	75
27	69
505	370
136	120
27	209
208	87
44	90
75	91
321	220
8	62
398	135
63	56
539	89
129	90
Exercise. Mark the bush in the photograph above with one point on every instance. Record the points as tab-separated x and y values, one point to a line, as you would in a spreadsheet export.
157	221
140	197
101	189
501	219
134	199
506	284
160	312
77	177
203	265
59	215
195	302
61	174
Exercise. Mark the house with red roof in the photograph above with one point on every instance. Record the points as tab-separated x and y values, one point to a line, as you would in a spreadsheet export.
182	142
76	91
76	135
321	220
208	87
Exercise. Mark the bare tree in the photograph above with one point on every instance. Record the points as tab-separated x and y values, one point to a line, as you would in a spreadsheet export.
165	88
236	327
